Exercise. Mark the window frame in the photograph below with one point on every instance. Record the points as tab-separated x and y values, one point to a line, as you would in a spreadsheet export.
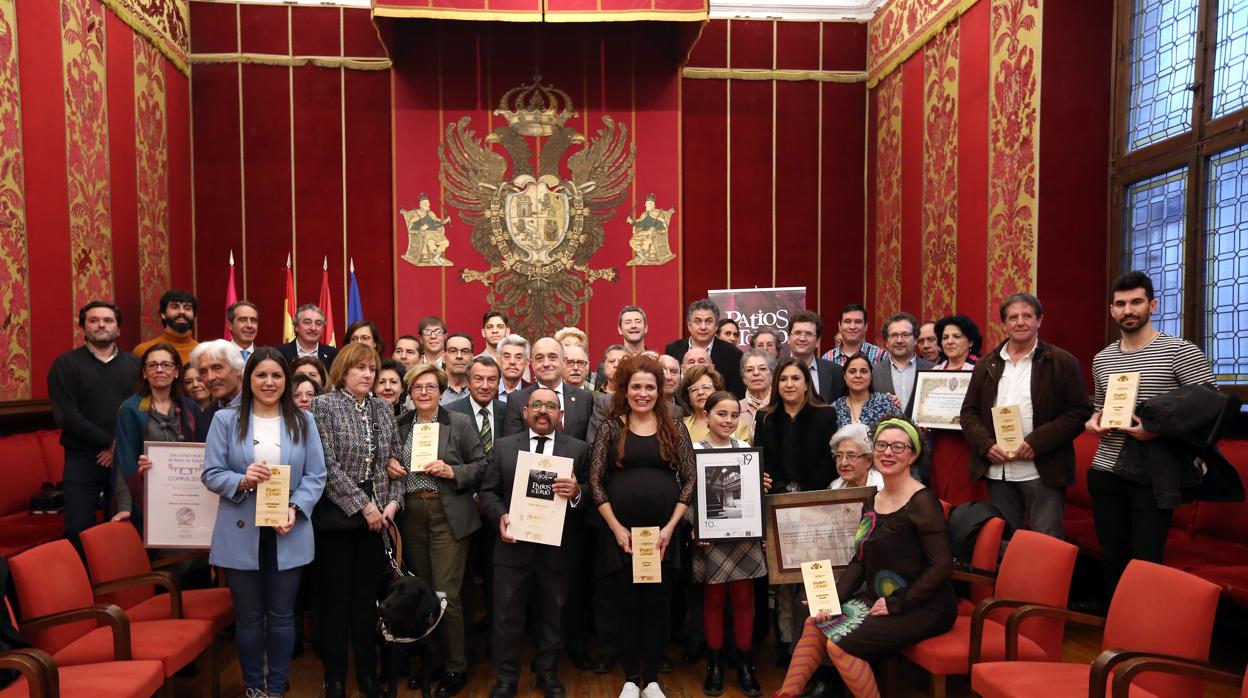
1193	149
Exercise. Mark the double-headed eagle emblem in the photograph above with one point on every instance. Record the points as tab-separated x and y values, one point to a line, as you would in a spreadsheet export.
537	229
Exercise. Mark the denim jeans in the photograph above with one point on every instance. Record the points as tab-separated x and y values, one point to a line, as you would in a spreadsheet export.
264	625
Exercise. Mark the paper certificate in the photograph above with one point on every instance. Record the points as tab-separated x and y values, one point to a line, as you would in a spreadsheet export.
647	566
537	513
178	511
1120	392
424	446
821	593
938	398
273	497
1007	421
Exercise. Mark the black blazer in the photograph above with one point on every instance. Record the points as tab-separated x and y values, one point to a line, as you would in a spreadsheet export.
324	352
495	499
578	408
469	407
813	467
726	358
831	380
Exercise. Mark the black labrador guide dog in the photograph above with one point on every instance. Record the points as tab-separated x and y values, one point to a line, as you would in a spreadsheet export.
407	617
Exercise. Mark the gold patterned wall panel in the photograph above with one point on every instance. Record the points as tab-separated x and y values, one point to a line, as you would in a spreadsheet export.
901	27
14	279
165	23
888	197
940	173
152	185
86	150
1013	151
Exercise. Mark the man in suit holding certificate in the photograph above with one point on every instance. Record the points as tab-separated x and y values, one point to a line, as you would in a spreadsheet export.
522	570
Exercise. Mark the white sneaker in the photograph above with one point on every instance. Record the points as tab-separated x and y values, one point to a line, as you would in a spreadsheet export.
630	690
653	691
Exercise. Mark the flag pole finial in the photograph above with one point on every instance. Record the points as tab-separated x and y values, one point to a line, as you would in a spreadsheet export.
287	260
231	257
325	264
353	265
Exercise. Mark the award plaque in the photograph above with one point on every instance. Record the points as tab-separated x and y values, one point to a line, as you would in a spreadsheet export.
424	446
1007	421
820	585
811	526
938	397
178	511
1120	392
537	513
647	565
273	497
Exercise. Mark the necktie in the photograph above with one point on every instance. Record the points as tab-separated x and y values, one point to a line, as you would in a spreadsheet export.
487	435
246	354
541	443
559	422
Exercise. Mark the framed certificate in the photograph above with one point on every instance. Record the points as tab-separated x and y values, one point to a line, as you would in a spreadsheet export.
730	494
178	511
537	513
809	527
938	397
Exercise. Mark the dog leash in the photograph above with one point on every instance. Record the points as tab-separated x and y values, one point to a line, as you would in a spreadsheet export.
390	637
393	543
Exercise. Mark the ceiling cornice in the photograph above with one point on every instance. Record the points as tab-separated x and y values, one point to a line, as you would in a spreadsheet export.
807	10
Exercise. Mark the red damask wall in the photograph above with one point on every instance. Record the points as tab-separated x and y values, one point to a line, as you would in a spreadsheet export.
774	168
292	157
988	162
95	182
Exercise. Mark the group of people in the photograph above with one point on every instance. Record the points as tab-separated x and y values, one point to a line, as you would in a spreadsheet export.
345	420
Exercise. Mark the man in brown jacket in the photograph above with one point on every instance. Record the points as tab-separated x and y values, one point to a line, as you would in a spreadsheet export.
1046	385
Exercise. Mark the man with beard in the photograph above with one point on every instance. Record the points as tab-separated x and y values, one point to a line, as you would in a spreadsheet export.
897	375
1129	524
221	371
575	366
87	386
177	314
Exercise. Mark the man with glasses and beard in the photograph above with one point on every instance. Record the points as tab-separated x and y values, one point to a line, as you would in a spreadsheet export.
87	386
177	315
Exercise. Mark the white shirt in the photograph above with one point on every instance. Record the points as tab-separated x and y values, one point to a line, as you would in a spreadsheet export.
266	435
903	378
874	479
558	391
549	448
489	415
1014	388
247	351
814	374
315	351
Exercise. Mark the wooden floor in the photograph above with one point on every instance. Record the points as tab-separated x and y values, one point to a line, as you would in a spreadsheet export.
1081	645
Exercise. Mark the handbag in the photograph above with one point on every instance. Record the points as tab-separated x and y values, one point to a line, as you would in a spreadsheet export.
327	516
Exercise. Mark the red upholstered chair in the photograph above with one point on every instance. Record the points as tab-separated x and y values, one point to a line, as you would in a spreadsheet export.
1156	610
42	678
1126	673
58	616
122	574
984	558
1036	569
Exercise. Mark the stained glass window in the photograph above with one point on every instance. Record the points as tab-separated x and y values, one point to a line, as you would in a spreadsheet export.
1226	266
1155	221
1230	71
1163	67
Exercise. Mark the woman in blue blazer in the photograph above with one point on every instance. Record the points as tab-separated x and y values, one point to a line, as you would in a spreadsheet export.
264	563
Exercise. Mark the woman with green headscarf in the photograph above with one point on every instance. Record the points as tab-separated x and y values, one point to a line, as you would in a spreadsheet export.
896	590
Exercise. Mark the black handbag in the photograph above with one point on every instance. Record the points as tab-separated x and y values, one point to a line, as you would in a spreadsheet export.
327	516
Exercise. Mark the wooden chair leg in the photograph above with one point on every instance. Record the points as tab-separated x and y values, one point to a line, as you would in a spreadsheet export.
886	679
938	686
166	688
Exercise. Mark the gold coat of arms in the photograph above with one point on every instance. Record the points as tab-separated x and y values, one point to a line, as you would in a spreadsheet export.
536	227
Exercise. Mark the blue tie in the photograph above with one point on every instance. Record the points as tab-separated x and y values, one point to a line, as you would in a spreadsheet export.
246	354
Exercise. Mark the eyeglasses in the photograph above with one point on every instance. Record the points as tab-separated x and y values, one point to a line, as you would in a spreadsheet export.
897	447
901	335
701	388
433	331
161	365
801	333
849	456
424	389
544	406
457	352
577	363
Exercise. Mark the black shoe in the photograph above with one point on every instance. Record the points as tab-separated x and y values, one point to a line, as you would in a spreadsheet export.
603	666
452	683
665	665
503	689
580	660
746	680
335	689
550	686
714	683
693	653
369	688
784	655
818	688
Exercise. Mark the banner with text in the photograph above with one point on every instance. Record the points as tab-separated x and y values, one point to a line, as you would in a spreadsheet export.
758	308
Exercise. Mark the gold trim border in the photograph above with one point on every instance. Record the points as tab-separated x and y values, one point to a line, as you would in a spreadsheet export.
839	76
162	43
558	17
901	53
462	14
353	63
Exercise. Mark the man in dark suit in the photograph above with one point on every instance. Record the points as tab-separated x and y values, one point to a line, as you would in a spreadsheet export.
531	572
701	318
309	328
898	372
547	365
805	329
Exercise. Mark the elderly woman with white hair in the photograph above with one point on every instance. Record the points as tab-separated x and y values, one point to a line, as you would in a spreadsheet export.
851	445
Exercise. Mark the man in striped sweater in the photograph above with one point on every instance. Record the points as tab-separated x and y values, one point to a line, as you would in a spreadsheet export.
1128	521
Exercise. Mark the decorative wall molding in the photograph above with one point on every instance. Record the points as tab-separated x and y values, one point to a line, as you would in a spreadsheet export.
902	27
164	23
805	10
841	76
349	62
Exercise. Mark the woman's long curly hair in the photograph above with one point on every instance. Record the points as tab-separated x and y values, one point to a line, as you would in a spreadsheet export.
667	431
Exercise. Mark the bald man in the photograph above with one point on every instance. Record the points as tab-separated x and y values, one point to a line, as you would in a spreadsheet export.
546	362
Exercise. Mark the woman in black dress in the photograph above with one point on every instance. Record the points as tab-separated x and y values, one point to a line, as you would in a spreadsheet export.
641	474
896	590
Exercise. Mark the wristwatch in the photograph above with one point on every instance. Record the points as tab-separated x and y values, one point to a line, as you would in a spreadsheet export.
296	508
